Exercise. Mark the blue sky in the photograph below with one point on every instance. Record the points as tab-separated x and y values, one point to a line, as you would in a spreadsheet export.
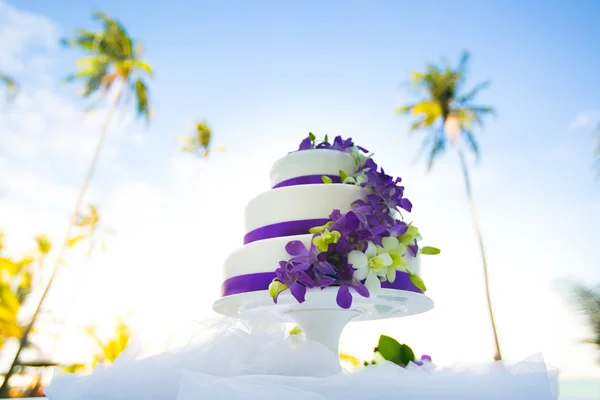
263	74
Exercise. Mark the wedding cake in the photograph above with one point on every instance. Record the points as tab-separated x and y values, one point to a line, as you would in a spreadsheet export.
332	218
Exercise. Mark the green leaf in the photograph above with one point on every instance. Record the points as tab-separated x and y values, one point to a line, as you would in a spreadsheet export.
343	175
429	250
326	139
393	351
388	347
406	354
296	330
141	98
417	281
326	179
311	136
276	287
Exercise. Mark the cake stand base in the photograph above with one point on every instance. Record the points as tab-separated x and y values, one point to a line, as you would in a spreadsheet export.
319	316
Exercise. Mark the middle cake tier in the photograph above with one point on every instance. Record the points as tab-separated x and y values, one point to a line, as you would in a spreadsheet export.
293	210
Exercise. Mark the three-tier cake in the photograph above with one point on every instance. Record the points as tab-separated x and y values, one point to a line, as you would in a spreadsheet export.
332	219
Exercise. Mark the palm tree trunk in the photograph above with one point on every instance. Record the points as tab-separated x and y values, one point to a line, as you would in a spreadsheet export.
59	259
465	171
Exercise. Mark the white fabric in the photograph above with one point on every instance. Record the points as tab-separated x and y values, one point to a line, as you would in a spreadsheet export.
234	360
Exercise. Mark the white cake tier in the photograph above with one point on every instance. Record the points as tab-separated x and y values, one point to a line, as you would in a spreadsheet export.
294	203
264	256
261	256
311	162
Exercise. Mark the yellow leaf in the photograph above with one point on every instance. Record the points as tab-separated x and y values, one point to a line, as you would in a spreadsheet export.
6	316
9	300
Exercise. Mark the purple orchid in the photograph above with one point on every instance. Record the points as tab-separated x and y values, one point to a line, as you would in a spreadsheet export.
369	164
296	278
346	281
339	144
357	228
424	359
386	189
414	249
399	228
306	144
305	257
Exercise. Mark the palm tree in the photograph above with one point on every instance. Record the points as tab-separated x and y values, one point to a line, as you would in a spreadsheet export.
449	117
588	299
113	70
200	140
11	85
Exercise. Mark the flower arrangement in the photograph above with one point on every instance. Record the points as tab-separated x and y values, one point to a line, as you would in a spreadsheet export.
361	248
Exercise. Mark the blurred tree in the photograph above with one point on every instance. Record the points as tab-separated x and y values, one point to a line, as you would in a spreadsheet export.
588	300
112	70
199	142
12	88
16	280
449	117
108	350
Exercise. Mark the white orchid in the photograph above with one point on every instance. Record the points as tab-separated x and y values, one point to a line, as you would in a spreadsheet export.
371	266
411	234
396	250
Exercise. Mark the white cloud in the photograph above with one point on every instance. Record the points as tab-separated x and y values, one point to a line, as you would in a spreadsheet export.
586	120
19	32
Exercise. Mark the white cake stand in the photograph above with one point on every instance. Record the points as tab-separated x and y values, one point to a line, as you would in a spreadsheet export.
320	318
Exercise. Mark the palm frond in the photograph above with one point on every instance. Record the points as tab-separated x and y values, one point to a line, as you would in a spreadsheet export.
142	65
472	142
473	92
405	109
141	97
439	146
461	69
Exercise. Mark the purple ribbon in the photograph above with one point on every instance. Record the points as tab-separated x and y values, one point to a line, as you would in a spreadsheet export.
261	281
307	180
280	229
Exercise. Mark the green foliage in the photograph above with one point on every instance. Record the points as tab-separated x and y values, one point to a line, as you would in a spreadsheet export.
326	179
417	281
112	57
12	88
343	175
200	140
588	300
16	280
107	350
444	110
428	250
391	350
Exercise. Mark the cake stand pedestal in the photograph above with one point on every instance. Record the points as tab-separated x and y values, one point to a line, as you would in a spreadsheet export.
320	318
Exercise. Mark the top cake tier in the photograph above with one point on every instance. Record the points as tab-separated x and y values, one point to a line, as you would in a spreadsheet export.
309	166
299	199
